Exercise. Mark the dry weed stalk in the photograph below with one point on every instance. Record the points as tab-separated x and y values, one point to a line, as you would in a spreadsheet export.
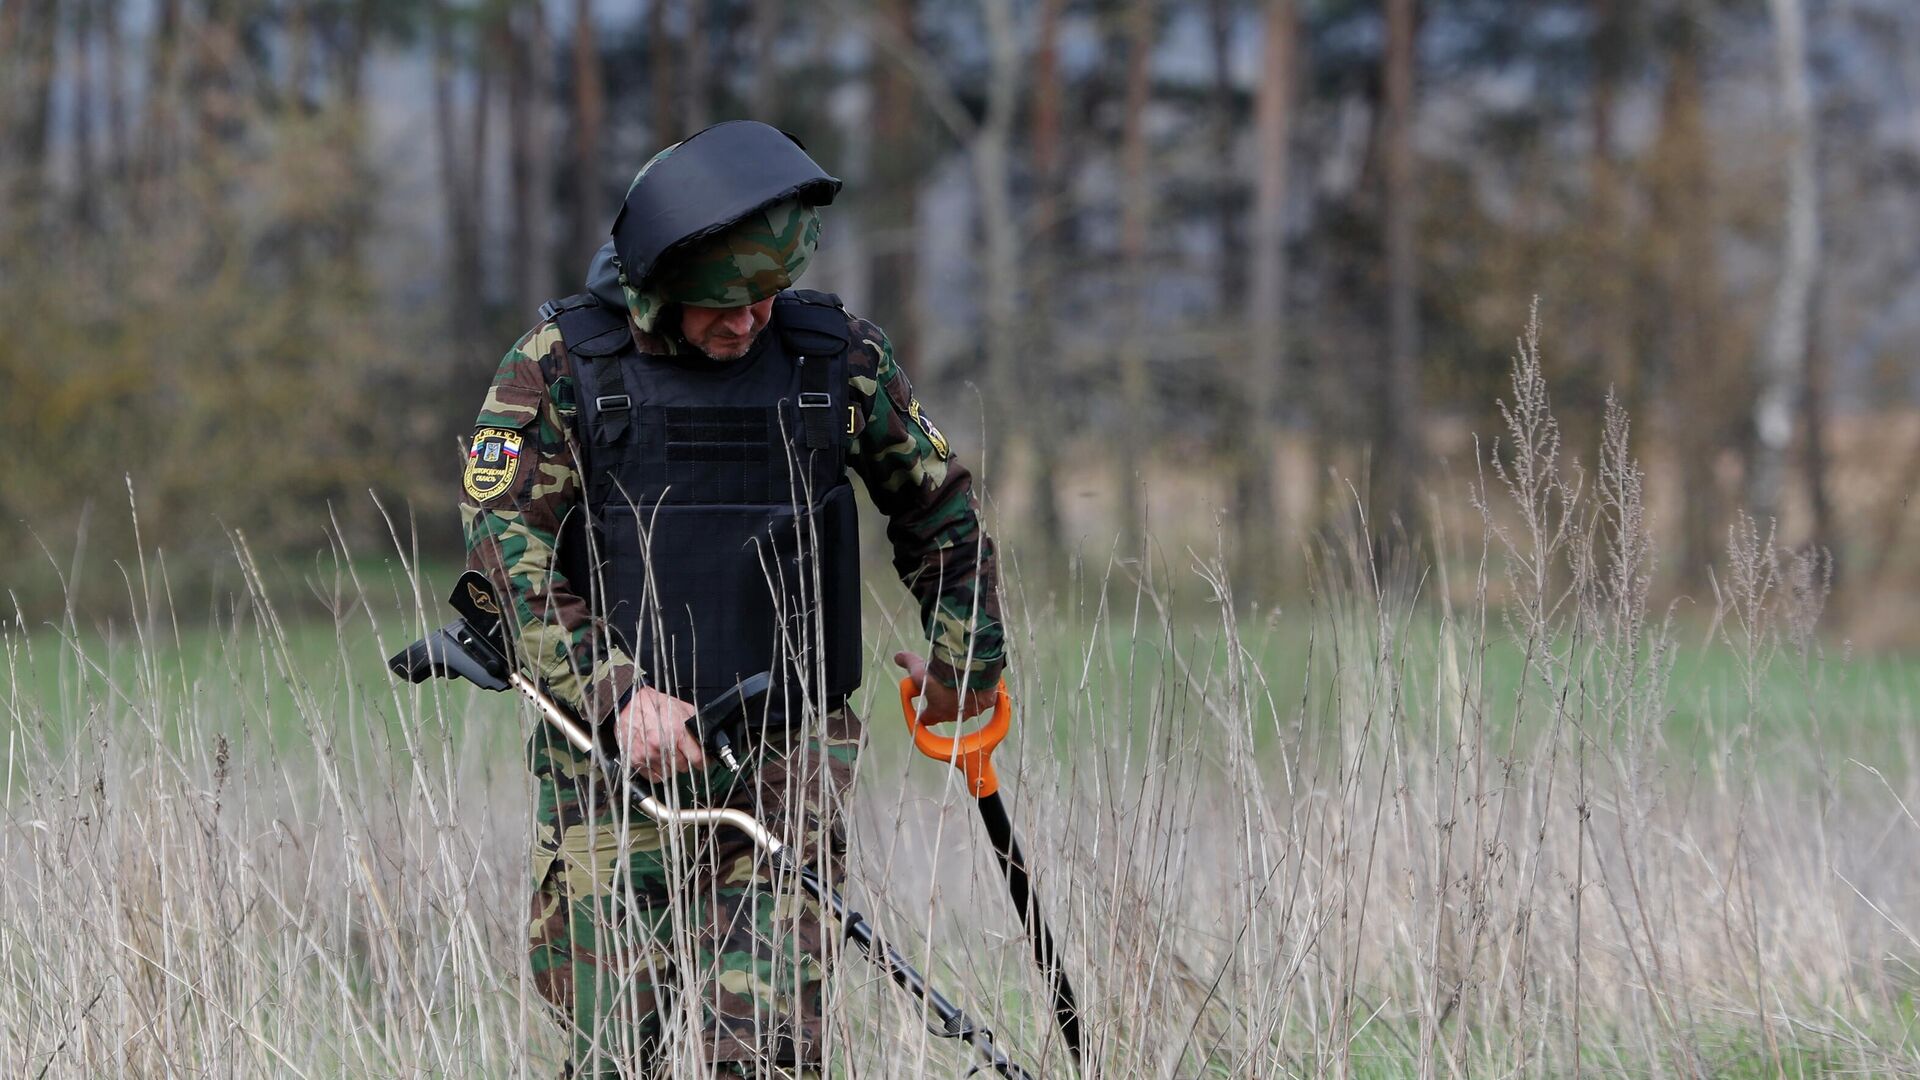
1436	823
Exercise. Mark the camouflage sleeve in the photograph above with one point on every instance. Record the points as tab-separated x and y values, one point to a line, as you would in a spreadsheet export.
521	480
941	552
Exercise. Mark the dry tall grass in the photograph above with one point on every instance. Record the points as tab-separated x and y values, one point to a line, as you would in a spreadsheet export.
1392	867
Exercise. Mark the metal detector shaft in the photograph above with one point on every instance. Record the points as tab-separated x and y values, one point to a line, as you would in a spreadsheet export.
1046	956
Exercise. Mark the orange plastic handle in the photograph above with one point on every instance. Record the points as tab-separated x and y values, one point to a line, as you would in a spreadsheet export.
971	753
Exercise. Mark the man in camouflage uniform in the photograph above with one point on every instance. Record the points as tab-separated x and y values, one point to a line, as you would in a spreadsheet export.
670	952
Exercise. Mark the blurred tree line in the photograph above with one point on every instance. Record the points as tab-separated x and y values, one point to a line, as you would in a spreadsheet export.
1197	257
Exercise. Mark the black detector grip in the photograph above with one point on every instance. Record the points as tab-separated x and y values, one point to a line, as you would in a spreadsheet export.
712	721
454	652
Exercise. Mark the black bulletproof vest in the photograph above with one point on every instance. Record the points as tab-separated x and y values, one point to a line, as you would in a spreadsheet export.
720	537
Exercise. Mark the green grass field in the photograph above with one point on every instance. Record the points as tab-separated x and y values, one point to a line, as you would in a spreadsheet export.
1863	700
1534	830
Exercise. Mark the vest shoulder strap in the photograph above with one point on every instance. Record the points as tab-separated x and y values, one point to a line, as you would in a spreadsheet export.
813	326
818	298
812	323
594	331
552	308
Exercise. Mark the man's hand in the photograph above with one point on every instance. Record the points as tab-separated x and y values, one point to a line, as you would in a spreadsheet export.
653	736
943	704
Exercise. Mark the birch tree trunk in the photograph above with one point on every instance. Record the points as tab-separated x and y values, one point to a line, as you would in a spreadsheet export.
1257	491
1783	364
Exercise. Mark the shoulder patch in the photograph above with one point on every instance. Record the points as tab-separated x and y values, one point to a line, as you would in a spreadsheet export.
492	463
938	440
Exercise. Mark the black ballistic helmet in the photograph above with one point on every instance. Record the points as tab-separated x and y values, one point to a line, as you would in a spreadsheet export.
706	183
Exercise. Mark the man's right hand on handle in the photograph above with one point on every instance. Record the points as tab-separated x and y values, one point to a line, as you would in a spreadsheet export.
653	736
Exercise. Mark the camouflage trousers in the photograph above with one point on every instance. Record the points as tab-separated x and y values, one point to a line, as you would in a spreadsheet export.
678	952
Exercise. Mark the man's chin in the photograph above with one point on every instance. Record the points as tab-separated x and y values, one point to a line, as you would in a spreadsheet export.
733	349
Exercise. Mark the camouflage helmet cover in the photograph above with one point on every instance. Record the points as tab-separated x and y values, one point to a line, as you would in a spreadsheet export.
762	253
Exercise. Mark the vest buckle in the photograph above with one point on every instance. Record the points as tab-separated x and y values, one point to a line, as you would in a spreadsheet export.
816	400
612	403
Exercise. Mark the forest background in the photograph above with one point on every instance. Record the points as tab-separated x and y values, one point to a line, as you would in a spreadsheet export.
1183	268
1360	731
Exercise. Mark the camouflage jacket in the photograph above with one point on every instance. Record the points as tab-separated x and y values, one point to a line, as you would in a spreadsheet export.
512	509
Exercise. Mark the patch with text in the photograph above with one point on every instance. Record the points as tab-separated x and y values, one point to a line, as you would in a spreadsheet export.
933	433
492	463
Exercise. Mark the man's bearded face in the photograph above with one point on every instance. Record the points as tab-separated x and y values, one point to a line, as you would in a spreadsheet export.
725	333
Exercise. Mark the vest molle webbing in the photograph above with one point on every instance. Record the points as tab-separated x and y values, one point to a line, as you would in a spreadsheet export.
724	537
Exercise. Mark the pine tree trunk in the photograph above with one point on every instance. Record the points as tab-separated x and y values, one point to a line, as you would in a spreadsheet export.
462	188
119	152
348	68
1043	428
1136	435
157	129
299	51
1703	402
353	56
1257	491
590	219
1813	422
699	73
1613	317
761	99
543	160
29	99
890	213
85	164
1399	465
480	123
1231	276
525	94
993	178
663	56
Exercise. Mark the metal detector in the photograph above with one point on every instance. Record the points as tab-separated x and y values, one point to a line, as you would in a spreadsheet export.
474	647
